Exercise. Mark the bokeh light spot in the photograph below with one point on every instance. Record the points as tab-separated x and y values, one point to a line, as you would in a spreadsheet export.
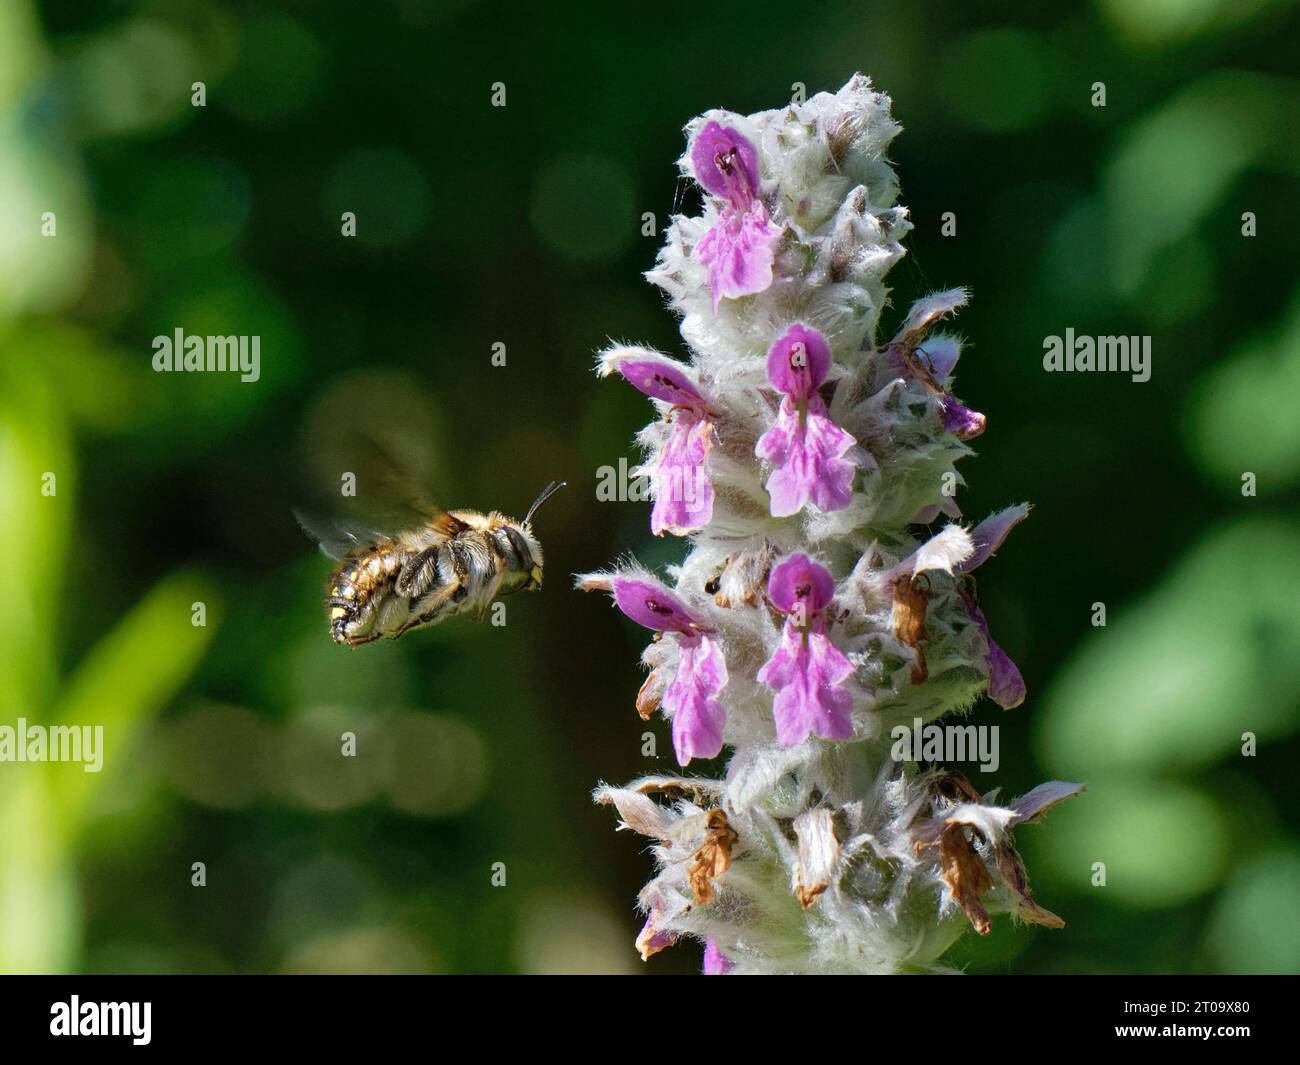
385	190
583	208
568	935
1162	843
1255	927
437	765
314	770
218	755
278	70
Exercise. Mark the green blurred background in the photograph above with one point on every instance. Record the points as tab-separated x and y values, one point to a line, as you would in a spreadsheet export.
522	225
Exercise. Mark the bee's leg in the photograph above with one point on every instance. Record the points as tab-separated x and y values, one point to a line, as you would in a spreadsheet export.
430	608
460	565
419	575
490	593
357	641
405	628
393	615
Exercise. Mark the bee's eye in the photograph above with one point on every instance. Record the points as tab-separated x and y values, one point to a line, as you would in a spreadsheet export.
520	545
713	585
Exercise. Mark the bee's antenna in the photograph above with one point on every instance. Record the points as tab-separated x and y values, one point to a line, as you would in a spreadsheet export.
547	492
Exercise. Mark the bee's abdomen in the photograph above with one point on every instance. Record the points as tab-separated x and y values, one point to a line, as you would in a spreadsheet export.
357	591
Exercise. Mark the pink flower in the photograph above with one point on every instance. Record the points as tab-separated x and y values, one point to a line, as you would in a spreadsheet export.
739	249
679	477
807	668
933	364
806	447
692	696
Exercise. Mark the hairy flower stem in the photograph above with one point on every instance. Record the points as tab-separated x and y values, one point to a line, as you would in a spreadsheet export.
816	612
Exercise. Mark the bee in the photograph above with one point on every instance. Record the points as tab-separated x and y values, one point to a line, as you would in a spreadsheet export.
454	562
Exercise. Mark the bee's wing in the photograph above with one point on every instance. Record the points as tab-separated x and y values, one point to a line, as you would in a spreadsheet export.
441	522
398	495
337	539
394	500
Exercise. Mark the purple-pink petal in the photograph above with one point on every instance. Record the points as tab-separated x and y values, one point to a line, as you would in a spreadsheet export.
798	580
682	489
649	603
692	699
715	962
799	361
725	163
939	355
651	939
808	452
1033	804
930	513
961	421
1006	685
805	672
660	379
989	534
738	252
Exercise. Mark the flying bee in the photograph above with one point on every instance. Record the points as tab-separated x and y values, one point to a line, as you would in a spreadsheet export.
454	562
